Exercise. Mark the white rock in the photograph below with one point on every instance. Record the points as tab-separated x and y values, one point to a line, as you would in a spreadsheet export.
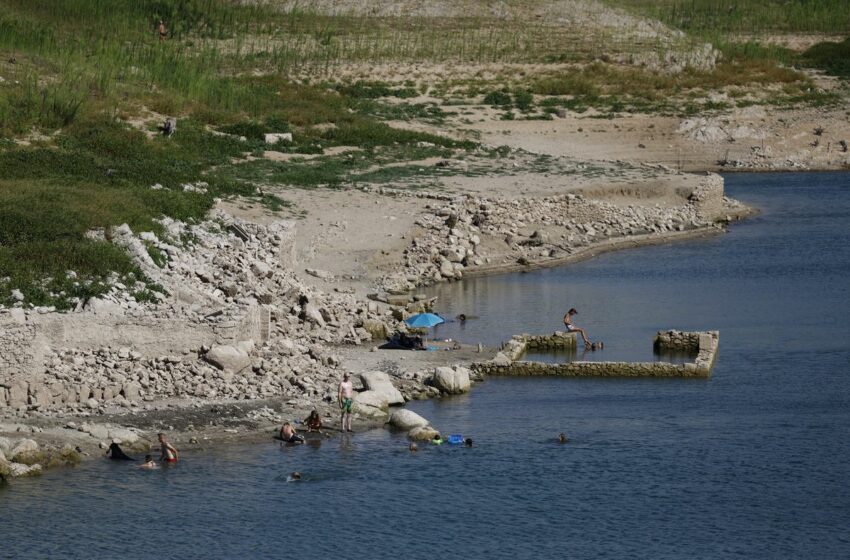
275	137
452	381
379	382
422	433
23	446
370	404
228	358
407	419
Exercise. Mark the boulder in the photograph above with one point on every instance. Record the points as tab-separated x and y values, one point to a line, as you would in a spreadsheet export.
19	469
18	394
452	381
406	420
123	435
379	382
377	328
312	314
23	447
228	358
422	433
370	404
131	391
275	137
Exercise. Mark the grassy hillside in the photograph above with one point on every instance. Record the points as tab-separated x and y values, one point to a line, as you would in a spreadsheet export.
86	82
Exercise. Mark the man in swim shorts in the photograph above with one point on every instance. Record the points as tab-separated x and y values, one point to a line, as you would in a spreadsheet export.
168	453
345	396
568	322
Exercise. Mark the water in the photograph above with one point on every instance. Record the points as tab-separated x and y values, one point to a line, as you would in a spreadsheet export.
752	463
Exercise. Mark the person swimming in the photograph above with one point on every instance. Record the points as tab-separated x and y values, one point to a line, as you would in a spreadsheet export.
467	442
562	438
437	440
295	476
413	448
149	463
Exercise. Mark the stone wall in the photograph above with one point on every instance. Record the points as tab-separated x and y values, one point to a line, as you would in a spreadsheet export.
17	351
708	198
703	344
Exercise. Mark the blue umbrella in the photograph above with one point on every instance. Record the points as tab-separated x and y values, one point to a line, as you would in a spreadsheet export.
426	320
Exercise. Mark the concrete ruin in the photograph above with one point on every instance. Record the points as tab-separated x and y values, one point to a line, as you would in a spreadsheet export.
702	346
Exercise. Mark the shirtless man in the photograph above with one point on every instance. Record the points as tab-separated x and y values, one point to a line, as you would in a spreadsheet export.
288	434
168	453
163	32
568	322
345	396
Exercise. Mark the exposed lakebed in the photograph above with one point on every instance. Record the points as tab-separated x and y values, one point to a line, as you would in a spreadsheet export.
751	462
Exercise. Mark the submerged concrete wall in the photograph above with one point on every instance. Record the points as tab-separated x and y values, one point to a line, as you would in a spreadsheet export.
703	345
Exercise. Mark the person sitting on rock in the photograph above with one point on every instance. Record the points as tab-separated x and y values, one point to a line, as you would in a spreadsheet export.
313	422
568	322
149	463
288	434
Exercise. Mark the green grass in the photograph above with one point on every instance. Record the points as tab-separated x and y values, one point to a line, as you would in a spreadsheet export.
747	16
832	57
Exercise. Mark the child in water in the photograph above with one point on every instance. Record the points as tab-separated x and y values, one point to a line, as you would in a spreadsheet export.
149	463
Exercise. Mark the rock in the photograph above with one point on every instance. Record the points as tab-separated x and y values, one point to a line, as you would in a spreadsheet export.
228	358
96	431
131	391
275	137
422	433
312	314
18	394
17	295
404	419
379	382
370	404
17	470
22	447
261	269
122	435
5	444
452	381
377	328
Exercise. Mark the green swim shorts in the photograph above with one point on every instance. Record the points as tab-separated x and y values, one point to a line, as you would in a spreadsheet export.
346	405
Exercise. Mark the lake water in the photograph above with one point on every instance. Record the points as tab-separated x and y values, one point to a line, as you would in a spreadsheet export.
751	463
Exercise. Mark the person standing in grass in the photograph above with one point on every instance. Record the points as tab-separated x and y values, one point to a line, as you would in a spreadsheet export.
163	32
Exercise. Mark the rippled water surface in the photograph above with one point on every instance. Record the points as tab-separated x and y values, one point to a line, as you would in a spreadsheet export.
752	463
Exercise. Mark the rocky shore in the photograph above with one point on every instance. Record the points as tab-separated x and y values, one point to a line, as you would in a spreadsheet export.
238	335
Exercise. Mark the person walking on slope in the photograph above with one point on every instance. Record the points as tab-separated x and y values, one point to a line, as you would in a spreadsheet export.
568	322
345	396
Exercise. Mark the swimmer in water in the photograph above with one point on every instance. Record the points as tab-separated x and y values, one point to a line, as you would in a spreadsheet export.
467	442
295	476
437	440
562	438
149	463
413	448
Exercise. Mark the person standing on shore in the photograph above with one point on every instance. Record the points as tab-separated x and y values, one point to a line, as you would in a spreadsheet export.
568	322
168	453
345	396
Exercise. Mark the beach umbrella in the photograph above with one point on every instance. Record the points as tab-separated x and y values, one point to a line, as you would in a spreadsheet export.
426	320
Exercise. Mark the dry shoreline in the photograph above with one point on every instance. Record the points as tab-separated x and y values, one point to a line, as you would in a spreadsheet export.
396	254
